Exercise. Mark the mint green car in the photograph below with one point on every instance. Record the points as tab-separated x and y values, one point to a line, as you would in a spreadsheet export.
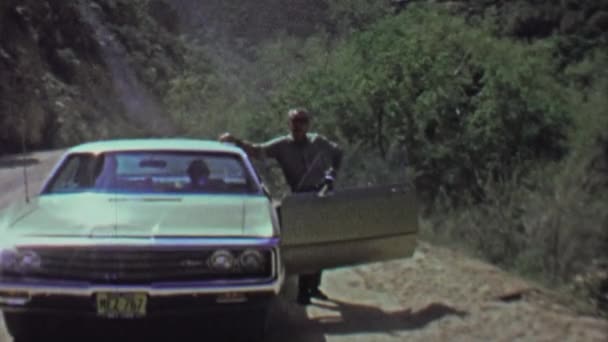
137	229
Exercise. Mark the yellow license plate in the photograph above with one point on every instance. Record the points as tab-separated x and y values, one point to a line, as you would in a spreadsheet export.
122	305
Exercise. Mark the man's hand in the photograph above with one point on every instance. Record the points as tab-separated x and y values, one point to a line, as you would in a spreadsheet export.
228	138
327	183
252	150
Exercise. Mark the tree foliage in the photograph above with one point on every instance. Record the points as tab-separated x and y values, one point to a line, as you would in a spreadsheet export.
465	104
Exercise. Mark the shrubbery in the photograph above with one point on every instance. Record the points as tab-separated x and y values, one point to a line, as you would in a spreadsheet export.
552	223
468	106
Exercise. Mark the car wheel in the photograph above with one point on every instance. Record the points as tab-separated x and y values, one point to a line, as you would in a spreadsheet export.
256	327
24	328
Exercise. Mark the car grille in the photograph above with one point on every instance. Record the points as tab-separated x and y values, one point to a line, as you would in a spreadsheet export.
136	266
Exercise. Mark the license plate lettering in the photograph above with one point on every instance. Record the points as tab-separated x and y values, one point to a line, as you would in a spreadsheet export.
121	305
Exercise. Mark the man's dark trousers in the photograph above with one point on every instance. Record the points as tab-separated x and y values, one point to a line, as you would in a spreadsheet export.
309	283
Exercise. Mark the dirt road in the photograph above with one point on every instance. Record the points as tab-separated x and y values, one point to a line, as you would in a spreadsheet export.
437	295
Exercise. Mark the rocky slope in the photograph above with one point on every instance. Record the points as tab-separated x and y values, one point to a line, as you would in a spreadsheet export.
67	66
76	70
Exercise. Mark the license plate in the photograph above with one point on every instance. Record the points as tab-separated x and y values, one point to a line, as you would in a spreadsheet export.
122	305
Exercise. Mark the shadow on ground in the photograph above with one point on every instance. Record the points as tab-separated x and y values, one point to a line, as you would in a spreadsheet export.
356	318
344	318
169	329
291	323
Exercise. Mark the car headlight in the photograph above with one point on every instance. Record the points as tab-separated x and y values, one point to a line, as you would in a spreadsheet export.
29	261
222	260
12	260
9	258
251	260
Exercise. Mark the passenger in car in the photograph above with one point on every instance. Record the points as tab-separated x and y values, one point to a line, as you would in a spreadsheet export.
200	180
198	171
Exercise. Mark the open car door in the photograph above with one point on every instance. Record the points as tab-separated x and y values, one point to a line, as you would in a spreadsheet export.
348	227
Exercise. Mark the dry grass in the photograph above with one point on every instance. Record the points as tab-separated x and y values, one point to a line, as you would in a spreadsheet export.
549	226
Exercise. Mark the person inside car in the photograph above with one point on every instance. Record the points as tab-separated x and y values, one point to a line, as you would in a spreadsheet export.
198	172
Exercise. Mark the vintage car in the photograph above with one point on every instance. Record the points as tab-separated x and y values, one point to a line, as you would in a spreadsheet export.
134	229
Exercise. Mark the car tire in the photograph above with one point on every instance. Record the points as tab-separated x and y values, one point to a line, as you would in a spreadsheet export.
257	326
24	327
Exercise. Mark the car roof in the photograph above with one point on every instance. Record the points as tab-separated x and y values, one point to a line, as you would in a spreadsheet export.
168	144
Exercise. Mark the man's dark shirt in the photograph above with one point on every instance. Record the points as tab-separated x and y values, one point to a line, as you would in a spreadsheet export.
303	163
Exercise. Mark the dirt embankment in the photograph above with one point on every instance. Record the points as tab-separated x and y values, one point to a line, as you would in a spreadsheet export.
438	295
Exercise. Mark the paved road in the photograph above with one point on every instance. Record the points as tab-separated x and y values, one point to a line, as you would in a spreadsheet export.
12	179
437	295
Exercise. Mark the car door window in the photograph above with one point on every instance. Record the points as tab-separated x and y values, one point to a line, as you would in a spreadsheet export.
75	174
67	177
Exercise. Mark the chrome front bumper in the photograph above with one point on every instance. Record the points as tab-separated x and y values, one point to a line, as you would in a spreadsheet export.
20	293
17	292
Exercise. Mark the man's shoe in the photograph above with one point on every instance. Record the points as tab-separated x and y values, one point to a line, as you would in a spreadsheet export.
316	293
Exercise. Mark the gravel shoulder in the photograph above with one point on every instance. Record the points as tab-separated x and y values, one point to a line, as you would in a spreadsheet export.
437	295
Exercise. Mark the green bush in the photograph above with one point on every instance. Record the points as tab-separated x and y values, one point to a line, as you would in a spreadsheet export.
550	224
467	106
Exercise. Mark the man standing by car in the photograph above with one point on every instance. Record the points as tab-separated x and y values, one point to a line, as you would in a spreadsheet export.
308	161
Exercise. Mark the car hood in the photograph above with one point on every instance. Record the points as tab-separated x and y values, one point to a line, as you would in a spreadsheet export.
104	215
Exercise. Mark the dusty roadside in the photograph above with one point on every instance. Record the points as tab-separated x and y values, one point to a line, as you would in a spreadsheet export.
437	295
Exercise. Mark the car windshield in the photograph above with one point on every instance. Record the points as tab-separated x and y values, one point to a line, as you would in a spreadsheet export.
153	172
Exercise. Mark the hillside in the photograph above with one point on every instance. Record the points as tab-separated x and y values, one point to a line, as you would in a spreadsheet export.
65	66
74	71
